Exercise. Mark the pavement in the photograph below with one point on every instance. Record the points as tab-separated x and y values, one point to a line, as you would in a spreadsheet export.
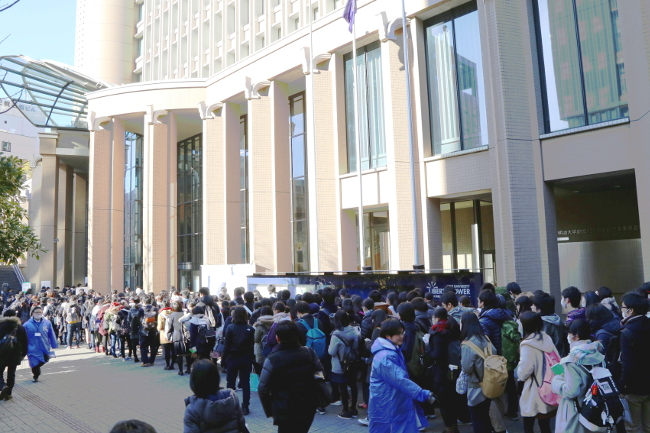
80	391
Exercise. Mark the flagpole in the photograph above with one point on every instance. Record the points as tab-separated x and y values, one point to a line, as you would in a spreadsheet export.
312	129
357	142
407	70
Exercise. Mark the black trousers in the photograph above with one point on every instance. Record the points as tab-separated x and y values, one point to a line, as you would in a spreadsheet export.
11	376
299	425
529	424
36	371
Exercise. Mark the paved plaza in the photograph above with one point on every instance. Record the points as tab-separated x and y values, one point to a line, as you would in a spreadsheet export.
83	392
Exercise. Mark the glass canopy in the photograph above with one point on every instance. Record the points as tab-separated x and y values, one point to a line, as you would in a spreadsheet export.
49	94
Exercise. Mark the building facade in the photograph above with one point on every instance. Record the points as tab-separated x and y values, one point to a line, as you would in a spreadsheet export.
227	143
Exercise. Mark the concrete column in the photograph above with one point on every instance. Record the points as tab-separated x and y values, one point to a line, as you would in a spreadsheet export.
221	229
322	171
269	196
159	202
64	226
79	240
522	227
397	146
117	206
99	215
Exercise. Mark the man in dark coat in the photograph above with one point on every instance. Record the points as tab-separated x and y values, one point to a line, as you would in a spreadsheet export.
286	387
10	324
634	384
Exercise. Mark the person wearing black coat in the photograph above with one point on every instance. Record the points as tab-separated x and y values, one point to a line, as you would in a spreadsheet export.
287	384
239	353
603	324
634	384
9	323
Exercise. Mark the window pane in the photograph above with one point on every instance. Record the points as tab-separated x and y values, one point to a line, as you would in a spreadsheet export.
349	114
602	60
445	133
298	156
469	63
375	106
297	116
561	66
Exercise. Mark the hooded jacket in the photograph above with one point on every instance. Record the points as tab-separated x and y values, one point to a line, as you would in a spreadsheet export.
530	370
392	393
219	413
19	351
423	321
351	337
574	383
163	315
458	311
491	322
635	352
262	327
194	323
555	329
605	330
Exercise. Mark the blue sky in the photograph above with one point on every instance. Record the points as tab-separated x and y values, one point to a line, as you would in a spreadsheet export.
40	29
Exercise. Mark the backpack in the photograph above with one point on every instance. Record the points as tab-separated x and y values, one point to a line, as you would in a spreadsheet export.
510	341
266	349
125	328
72	315
601	408
420	360
205	332
453	358
214	320
495	372
315	338
148	322
348	354
544	389
8	343
613	356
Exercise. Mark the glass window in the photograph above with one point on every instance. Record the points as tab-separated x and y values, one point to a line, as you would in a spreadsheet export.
584	77
299	199
243	188
458	115
6	146
132	210
370	99
376	233
189	212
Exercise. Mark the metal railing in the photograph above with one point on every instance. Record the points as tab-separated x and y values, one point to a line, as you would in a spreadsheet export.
19	274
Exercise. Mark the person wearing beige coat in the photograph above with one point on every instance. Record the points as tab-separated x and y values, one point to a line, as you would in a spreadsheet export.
168	346
530	371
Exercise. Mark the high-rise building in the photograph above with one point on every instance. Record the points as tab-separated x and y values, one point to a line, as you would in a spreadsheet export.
225	141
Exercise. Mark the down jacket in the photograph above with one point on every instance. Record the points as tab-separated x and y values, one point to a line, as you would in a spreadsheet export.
491	322
220	413
392	393
531	371
7	326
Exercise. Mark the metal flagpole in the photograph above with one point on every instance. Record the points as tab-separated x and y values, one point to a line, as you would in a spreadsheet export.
407	70
312	130
357	142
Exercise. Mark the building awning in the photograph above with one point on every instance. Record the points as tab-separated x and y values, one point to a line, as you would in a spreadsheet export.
49	94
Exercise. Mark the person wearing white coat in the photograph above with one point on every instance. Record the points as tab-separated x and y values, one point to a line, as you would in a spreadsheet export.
575	381
530	370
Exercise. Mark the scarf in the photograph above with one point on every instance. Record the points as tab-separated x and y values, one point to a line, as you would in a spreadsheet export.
442	325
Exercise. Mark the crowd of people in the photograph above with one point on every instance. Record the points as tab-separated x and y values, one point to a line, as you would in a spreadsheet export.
398	356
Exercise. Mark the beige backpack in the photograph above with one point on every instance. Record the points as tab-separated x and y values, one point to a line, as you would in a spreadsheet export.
495	371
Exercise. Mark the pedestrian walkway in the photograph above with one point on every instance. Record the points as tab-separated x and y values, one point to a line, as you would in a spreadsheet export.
84	392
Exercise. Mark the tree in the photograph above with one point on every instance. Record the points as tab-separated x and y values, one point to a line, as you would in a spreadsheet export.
17	238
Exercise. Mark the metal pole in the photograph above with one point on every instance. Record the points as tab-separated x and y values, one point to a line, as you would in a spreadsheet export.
313	250
407	70
358	143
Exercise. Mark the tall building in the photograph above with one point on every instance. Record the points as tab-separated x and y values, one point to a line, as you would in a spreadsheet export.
226	142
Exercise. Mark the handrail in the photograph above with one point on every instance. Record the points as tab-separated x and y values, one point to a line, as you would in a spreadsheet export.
19	274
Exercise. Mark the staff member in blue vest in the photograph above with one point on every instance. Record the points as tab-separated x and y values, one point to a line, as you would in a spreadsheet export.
41	341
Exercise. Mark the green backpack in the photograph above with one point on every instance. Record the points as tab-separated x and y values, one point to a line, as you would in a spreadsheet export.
420	360
510	340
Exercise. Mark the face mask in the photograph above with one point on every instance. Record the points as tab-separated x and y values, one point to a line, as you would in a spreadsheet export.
568	338
38	316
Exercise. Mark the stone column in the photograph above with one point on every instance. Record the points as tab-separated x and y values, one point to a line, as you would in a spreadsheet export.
46	193
269	196
99	202
322	169
117	206
397	146
79	240
64	226
158	201
221	206
523	229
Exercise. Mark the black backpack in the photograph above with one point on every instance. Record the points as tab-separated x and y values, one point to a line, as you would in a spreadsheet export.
8	343
601	409
348	354
453	356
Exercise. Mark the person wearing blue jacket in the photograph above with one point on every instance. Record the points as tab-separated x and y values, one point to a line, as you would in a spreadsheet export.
41	341
392	407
